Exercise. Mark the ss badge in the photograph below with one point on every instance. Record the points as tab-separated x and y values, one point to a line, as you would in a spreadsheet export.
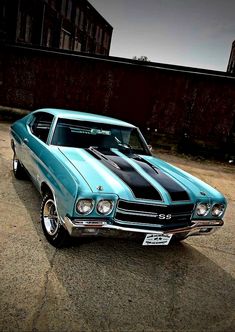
164	216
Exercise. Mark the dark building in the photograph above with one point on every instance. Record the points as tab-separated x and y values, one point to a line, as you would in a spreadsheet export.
66	24
231	62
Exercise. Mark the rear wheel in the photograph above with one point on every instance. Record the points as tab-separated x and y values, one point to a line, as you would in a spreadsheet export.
18	168
55	233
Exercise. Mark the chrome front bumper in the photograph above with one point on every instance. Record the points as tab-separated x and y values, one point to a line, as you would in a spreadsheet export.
90	227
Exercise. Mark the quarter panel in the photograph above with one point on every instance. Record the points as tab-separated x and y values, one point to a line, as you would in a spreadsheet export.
18	132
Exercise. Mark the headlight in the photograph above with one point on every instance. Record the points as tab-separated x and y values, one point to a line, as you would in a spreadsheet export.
217	210
85	206
202	209
104	206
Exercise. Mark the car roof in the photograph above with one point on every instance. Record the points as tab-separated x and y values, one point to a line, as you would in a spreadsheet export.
82	116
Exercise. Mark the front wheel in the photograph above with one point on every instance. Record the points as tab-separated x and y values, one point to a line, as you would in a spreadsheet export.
55	233
18	168
179	237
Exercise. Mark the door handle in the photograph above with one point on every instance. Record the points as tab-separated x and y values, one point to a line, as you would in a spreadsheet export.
25	140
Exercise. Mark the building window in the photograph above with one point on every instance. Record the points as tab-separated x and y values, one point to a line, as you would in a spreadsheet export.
87	26
100	36
77	16
53	4
97	33
18	31
91	30
28	32
63	7
87	45
3	9
65	40
81	21
49	38
58	5
24	27
233	67
97	49
21	24
77	45
69	10
106	40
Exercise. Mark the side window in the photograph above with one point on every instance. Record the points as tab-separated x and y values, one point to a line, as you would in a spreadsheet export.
41	125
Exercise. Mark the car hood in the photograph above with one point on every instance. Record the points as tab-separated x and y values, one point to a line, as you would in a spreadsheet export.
137	177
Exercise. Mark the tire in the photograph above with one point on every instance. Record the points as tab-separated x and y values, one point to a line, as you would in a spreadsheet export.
179	237
54	232
18	169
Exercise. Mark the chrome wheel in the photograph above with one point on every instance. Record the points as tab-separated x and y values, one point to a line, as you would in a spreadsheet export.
53	230
50	217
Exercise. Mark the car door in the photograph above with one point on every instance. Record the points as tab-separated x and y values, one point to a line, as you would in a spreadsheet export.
36	143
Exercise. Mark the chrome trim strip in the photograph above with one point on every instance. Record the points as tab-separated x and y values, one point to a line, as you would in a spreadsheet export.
194	229
149	214
136	213
122	222
144	203
151	204
52	130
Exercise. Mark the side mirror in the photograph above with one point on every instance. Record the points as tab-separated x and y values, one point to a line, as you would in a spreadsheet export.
150	147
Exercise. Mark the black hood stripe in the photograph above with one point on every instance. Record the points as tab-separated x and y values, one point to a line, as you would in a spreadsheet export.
141	188
176	192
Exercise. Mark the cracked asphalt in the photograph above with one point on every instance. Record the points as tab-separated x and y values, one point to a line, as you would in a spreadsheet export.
113	284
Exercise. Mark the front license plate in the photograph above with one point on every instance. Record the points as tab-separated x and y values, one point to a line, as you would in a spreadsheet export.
157	240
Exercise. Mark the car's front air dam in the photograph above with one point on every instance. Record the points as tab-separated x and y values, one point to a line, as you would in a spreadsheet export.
88	227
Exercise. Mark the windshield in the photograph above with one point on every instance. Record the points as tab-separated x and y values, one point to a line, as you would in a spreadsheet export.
84	134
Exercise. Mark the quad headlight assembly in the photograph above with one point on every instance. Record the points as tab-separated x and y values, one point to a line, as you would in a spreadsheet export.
216	210
86	206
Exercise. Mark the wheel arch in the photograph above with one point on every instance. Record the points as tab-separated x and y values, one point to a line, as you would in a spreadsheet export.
13	145
46	189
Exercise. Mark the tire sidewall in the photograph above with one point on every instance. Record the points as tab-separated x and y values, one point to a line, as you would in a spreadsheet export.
59	238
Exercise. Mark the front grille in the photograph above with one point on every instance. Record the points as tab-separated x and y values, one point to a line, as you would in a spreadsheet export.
163	216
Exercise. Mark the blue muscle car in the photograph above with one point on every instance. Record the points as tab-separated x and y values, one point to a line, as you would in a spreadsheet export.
97	174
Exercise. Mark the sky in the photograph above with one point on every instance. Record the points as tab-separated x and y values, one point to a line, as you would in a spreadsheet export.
195	33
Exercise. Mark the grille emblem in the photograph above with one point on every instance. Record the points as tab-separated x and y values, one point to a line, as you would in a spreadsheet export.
162	216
